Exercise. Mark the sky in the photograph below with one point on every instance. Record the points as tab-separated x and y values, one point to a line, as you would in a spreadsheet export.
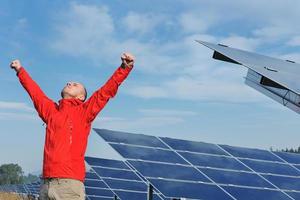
175	89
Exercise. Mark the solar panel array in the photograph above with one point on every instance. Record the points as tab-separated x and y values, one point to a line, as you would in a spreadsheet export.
33	188
26	189
95	188
118	179
197	170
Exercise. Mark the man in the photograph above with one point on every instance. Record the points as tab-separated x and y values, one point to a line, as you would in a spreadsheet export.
68	126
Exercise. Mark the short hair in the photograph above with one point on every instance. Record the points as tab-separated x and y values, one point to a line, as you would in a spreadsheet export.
85	95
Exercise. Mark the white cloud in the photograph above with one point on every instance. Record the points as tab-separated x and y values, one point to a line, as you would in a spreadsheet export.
195	76
165	112
240	42
140	123
147	92
274	33
84	30
16	111
141	23
295	41
18	106
196	22
149	118
17	116
188	88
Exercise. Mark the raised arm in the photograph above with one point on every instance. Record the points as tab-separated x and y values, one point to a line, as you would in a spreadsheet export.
42	103
99	98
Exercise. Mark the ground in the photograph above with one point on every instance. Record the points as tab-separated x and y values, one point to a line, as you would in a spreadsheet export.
11	196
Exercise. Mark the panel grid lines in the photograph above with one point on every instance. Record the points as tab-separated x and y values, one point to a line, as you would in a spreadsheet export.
139	175
269	174
141	146
259	175
103	182
126	182
117	169
199	171
285	161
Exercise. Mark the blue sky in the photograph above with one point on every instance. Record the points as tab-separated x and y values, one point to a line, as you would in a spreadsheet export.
175	90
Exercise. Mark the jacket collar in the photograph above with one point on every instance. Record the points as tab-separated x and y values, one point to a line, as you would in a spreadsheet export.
69	102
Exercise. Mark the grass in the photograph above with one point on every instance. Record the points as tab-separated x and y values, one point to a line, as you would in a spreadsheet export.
11	196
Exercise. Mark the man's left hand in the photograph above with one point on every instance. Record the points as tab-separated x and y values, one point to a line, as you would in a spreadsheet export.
127	60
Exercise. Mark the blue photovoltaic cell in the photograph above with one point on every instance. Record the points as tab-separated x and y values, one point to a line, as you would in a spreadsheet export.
214	161
128	138
189	190
126	185
99	198
112	173
273	168
123	182
236	178
168	171
99	192
31	188
289	157
255	194
199	147
94	183
134	195
90	175
150	154
250	153
105	163
95	188
295	195
285	183
297	166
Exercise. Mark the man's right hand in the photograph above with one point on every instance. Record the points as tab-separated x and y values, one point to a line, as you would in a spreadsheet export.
16	65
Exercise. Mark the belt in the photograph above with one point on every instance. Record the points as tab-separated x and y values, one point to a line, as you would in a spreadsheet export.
48	180
57	180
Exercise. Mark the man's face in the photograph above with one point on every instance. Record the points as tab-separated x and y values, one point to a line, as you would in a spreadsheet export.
73	90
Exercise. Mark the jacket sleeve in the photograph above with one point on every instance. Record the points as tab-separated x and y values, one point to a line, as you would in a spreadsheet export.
99	98
41	102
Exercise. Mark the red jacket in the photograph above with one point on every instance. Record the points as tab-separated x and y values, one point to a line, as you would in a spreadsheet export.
68	125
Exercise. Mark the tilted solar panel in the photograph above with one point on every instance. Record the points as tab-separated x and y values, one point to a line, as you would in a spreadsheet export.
277	79
120	178
95	188
197	170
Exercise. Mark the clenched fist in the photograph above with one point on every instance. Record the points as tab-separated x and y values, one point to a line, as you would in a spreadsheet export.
16	65
127	60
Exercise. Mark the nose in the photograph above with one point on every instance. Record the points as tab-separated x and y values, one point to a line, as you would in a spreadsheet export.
69	83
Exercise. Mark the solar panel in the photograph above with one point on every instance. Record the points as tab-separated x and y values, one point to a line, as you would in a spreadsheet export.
120	178
277	79
33	188
223	162
95	188
197	170
289	157
250	153
17	188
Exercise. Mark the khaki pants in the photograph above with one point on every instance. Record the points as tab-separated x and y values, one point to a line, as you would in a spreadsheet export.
62	189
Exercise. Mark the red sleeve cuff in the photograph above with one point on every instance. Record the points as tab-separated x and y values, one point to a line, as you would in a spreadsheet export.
20	71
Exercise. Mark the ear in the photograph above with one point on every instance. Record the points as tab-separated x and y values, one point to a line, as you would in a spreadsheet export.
81	97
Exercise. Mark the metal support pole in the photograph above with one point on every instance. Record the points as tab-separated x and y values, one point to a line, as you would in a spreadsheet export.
150	192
